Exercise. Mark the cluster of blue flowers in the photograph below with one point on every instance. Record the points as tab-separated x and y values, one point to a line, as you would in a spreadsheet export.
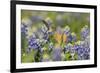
82	47
45	49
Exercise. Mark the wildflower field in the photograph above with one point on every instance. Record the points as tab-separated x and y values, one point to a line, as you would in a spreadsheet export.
54	36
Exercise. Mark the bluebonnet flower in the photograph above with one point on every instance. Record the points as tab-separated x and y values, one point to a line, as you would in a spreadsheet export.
83	53
33	43
87	42
85	32
72	52
72	37
56	54
67	47
42	34
25	26
46	37
86	56
44	29
67	30
87	53
79	49
24	29
80	52
86	46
